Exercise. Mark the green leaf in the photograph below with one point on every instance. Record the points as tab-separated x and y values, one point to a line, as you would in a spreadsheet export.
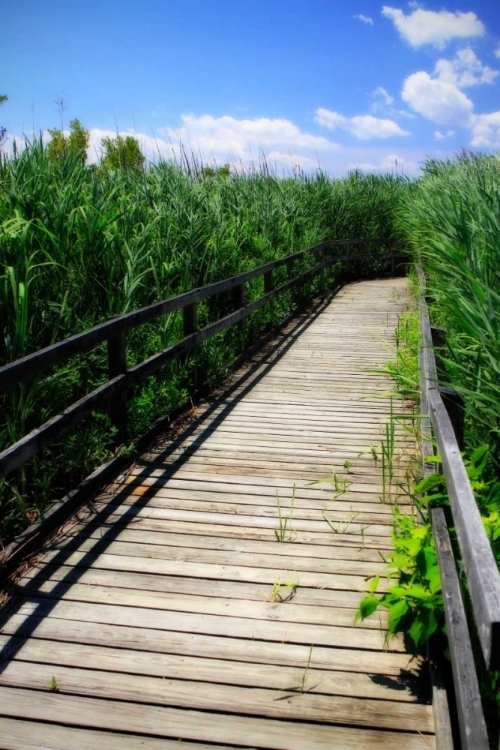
367	607
396	612
373	584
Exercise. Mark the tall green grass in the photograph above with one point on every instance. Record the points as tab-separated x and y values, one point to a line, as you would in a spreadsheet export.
451	217
79	244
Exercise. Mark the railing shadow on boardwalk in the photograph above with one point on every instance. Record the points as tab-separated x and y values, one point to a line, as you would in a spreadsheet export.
253	375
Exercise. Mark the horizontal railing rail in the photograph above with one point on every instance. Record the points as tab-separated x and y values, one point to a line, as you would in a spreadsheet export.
481	570
113	332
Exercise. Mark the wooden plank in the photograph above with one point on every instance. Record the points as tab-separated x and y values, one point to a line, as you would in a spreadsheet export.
31	735
265	497
234	572
200	725
122	579
235	532
343	516
265	609
397	665
278	704
286	560
195	668
267	630
213	542
247	521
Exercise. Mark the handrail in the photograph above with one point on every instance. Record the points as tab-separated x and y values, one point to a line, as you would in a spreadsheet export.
43	359
479	563
113	332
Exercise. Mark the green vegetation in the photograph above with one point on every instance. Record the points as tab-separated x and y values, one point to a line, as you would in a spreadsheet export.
122	153
80	244
451	220
284	532
75	143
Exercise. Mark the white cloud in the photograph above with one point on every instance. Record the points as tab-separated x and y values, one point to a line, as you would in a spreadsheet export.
464	70
497	51
230	139
486	130
392	164
241	143
437	100
365	19
381	99
441	136
436	28
363	127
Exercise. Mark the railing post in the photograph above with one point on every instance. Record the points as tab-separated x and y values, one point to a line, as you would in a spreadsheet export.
452	400
455	406
239	296
268	288
348	261
239	302
190	326
289	267
189	319
268	282
117	365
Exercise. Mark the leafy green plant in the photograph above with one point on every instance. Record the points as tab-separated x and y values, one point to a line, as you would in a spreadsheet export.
414	602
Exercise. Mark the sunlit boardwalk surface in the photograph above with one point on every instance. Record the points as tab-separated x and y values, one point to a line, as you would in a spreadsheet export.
170	615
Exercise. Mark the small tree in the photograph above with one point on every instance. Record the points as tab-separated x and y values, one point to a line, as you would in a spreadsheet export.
76	143
122	153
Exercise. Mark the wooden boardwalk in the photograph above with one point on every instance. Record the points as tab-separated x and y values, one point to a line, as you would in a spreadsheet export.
171	616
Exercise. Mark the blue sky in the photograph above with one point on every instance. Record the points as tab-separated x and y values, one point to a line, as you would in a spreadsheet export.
340	83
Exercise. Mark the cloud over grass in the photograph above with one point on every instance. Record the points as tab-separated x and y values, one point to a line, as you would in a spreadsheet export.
364	127
439	101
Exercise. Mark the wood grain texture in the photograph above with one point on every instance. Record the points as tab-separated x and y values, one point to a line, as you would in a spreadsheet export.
169	611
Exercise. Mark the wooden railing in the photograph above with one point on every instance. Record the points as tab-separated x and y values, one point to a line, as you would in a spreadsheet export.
443	423
114	331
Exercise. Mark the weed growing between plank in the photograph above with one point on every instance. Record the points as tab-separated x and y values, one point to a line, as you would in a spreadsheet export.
284	532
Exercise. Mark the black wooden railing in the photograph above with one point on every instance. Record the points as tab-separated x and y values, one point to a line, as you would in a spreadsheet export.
114	331
443	422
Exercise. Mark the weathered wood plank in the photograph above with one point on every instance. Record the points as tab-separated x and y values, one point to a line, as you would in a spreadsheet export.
199	725
268	630
277	704
397	665
195	668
